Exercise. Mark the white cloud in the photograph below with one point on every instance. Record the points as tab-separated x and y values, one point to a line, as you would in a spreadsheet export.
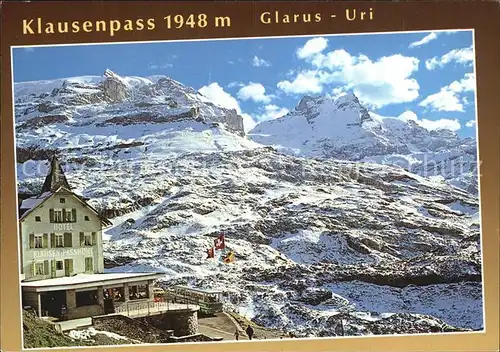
259	62
376	83
464	56
466	84
337	59
408	116
235	84
449	124
428	38
449	97
256	92
272	111
470	123
159	66
312	47
306	82
222	98
445	100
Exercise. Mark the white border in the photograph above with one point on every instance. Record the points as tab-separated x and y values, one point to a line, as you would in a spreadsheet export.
261	38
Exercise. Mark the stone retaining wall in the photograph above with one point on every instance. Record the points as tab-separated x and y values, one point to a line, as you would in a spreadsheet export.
182	322
131	328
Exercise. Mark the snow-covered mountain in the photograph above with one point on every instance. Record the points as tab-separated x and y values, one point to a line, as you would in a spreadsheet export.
321	127
315	238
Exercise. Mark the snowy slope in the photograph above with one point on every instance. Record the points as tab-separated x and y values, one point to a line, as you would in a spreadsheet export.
389	250
343	129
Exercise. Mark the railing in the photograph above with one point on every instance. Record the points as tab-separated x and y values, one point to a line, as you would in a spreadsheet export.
148	307
208	307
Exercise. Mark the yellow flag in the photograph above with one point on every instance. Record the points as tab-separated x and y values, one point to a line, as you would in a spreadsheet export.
229	257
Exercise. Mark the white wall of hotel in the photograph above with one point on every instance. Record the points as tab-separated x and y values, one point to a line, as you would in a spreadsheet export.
60	256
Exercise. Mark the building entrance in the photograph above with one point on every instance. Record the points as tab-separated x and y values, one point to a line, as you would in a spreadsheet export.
53	303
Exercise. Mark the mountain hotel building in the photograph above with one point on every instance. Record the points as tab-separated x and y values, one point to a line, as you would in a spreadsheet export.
62	262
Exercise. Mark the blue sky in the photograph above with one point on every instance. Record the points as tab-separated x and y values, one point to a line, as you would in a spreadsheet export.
425	76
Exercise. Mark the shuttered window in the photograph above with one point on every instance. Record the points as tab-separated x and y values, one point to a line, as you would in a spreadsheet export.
53	268
38	241
41	268
62	215
89	265
87	239
58	215
68	267
68	239
59	240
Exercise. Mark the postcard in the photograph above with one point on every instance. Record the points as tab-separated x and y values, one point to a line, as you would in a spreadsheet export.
249	175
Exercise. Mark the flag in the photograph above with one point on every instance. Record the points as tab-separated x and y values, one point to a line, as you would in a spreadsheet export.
229	257
219	242
210	253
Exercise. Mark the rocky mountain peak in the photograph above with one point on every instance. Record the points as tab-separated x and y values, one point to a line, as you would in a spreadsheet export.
114	87
351	101
312	107
303	103
109	74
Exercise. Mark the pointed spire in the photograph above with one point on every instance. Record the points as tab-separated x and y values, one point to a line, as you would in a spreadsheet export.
55	178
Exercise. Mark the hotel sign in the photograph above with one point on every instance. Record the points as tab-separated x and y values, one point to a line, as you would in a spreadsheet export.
71	252
63	227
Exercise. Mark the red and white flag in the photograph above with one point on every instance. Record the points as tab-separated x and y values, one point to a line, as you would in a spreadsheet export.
219	242
210	253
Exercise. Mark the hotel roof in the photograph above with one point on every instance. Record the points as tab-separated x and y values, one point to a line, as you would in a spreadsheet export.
88	281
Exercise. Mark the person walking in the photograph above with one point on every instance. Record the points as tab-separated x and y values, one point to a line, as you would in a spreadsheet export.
64	312
237	335
249	331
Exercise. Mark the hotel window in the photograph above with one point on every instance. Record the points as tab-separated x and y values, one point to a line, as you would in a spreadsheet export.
59	265
56	215
118	293
62	200
38	219
87	218
69	215
89	266
59	240
86	298
138	292
87	239
41	268
62	215
39	240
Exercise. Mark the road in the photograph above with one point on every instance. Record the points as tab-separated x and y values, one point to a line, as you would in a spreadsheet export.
219	326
